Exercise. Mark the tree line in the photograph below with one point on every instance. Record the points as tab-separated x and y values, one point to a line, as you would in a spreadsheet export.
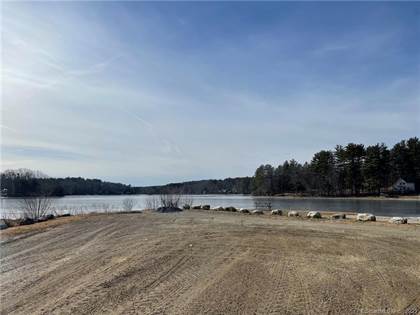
350	170
238	185
24	182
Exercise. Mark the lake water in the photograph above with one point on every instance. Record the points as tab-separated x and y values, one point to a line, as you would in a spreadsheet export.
82	204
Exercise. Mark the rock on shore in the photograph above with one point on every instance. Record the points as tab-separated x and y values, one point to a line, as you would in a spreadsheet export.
365	217
314	215
338	216
168	209
398	220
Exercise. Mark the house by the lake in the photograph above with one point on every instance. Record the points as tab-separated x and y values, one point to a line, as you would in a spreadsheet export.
402	187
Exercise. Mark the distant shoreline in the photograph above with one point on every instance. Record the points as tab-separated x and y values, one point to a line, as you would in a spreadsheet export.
376	198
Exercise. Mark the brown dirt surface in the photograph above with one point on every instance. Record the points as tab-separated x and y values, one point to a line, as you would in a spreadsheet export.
36	228
204	262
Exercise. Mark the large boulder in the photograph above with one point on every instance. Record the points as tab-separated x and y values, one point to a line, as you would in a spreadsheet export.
365	217
3	225
46	218
232	209
276	212
314	215
398	220
27	221
243	210
196	207
257	211
168	209
186	207
338	216
205	207
218	208
293	214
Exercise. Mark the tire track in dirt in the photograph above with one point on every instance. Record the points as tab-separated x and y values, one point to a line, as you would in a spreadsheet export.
166	289
244	295
161	282
304	300
128	282
206	271
181	281
277	296
378	292
413	308
49	273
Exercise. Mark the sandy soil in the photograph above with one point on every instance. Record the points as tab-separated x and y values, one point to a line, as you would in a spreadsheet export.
36	228
199	262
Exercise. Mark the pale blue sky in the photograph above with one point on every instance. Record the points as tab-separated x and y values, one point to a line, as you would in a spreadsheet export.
150	93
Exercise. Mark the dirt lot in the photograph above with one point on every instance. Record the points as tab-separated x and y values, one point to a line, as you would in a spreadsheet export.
210	262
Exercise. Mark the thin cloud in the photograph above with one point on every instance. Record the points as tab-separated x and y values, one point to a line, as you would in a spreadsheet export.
41	153
21	74
166	145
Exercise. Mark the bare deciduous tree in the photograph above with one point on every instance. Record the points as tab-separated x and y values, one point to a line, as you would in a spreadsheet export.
36	207
170	200
152	203
128	204
187	201
103	207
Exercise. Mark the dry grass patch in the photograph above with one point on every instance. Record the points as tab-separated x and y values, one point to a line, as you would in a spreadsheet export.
37	227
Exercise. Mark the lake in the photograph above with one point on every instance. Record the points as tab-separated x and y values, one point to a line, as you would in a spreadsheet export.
83	204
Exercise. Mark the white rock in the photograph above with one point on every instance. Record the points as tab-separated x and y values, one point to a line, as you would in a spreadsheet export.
243	210
314	215
293	214
257	211
398	220
365	217
276	212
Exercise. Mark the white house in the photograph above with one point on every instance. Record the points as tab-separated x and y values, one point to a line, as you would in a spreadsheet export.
402	186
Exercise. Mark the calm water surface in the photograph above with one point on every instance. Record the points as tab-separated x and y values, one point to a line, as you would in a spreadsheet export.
84	204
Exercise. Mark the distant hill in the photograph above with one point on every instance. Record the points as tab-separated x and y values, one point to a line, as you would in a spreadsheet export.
238	185
25	182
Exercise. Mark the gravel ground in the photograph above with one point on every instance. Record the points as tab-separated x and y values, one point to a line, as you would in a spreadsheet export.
209	262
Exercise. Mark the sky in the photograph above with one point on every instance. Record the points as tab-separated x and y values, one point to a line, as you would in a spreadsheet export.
151	93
